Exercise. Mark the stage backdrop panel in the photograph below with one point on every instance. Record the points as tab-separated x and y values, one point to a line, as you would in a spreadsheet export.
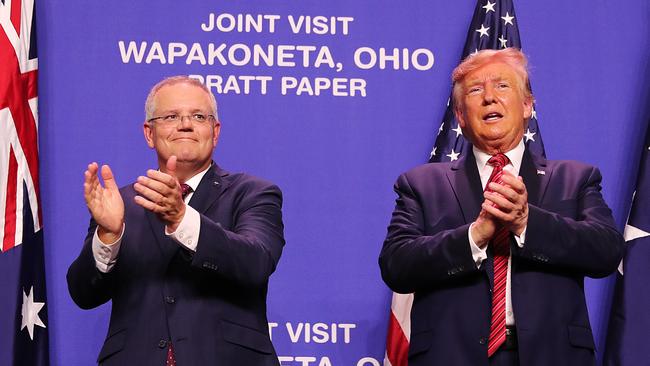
331	101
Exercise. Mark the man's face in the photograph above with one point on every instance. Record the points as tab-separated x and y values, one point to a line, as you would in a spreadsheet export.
191	142
493	108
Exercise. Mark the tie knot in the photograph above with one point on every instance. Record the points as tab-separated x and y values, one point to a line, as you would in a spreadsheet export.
185	190
499	160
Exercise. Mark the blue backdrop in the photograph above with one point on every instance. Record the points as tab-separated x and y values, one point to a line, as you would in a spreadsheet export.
335	155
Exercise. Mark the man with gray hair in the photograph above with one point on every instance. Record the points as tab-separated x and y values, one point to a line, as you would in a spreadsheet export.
496	245
185	253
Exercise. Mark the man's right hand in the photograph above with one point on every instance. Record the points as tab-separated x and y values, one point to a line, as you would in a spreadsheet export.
484	228
104	203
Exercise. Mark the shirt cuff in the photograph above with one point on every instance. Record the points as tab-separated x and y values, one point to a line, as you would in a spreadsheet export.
106	254
187	232
520	239
478	254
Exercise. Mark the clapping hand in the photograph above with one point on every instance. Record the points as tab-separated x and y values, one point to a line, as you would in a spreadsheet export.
161	194
104	203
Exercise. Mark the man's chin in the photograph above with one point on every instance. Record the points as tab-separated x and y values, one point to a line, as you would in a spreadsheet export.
497	142
186	158
182	155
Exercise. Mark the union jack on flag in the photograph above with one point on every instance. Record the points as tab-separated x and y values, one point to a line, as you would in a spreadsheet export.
23	319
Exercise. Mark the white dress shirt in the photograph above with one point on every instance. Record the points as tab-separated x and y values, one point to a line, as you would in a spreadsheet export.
480	254
186	234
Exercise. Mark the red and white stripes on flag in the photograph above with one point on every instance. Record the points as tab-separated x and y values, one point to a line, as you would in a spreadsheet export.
399	330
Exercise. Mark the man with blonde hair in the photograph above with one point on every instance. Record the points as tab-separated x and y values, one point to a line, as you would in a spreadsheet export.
496	245
185	253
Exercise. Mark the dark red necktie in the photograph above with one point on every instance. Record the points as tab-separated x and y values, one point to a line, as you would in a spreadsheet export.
171	360
185	190
500	245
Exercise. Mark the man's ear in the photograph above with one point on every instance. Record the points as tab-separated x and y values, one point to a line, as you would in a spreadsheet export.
528	107
215	133
147	129
460	117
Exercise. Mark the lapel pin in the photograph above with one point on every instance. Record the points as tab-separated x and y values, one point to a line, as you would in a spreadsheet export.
541	172
215	183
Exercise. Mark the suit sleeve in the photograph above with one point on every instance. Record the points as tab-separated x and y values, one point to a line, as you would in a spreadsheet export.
410	260
248	253
88	286
577	234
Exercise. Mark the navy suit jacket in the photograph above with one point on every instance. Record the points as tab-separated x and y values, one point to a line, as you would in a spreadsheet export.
570	234
211	303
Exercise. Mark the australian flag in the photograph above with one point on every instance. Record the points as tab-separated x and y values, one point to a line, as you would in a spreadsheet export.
493	26
23	309
629	324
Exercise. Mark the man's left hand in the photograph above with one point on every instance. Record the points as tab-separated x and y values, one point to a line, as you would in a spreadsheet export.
509	202
161	194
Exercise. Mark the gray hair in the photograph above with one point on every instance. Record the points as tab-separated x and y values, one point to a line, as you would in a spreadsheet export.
149	105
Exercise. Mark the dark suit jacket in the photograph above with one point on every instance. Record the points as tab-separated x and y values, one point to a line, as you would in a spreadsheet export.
570	234
212	303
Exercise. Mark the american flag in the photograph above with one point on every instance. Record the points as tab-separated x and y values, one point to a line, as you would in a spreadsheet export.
23	313
493	26
627	340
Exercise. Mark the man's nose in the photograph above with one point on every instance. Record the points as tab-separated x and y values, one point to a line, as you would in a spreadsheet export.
185	123
488	95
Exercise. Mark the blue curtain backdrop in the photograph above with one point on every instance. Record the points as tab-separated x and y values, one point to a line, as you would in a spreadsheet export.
335	155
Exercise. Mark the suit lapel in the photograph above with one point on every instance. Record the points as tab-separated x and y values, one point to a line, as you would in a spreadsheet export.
466	184
166	245
536	176
212	185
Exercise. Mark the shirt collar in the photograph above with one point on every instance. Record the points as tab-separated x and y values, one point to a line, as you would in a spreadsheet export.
515	155
196	179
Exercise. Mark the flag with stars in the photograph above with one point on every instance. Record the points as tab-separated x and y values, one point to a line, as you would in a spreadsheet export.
629	323
493	26
23	310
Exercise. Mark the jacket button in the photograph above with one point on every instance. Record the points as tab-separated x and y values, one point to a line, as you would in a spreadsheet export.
170	299
162	343
482	341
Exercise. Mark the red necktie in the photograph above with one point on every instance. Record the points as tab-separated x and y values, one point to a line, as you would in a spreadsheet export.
171	360
500	245
185	190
